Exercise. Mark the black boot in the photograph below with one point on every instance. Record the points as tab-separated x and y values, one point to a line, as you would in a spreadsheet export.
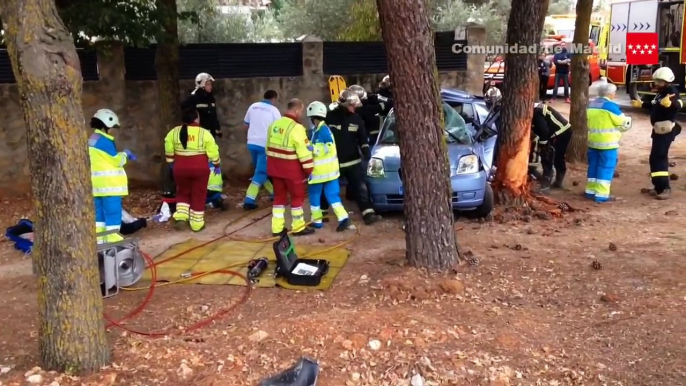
304	232
558	181
371	218
343	225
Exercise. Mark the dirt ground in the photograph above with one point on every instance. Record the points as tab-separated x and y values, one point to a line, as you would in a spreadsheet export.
535	310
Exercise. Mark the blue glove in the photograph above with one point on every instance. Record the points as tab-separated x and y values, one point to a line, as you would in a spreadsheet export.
217	170
130	155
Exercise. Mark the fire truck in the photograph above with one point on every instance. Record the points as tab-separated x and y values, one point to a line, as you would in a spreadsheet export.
664	17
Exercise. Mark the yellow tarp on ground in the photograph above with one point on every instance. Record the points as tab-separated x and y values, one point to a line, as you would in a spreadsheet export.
235	255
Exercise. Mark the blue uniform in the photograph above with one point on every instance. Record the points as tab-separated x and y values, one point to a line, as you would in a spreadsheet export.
109	185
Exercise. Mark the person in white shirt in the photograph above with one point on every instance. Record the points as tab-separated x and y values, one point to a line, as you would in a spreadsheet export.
257	120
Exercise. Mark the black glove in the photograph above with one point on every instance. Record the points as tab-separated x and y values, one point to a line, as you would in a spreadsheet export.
219	134
366	153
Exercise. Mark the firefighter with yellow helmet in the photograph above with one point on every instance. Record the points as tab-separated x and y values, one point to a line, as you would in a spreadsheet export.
108	177
324	177
663	110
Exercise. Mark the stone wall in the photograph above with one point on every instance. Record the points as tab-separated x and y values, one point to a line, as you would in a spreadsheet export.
135	103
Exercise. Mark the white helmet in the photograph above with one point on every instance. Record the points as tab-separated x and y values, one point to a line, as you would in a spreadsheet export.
316	110
201	78
493	95
386	81
359	90
665	74
108	117
349	98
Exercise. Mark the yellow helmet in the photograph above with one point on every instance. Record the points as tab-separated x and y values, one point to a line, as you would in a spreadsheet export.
664	74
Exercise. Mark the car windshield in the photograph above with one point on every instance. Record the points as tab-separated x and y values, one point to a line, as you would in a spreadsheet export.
456	131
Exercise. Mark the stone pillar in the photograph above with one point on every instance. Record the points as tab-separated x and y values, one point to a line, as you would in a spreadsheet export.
476	36
314	81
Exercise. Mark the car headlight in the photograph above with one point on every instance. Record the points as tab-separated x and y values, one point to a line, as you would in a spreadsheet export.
467	164
375	168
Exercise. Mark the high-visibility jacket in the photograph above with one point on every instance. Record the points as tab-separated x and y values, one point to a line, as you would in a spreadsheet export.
606	123
289	154
107	166
216	182
324	154
200	142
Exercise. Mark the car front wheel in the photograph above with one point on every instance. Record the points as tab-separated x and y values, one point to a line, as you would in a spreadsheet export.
488	204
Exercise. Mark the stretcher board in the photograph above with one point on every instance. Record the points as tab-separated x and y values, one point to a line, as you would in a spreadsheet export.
336	85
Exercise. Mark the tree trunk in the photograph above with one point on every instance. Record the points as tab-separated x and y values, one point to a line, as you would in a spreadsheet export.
431	240
580	80
520	90
71	335
167	68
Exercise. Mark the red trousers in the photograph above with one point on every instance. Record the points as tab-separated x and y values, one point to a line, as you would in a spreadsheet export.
191	174
285	187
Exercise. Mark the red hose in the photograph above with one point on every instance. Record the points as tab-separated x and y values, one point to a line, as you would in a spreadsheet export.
153	273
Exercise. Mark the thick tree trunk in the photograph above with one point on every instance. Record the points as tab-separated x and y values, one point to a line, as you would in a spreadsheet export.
167	68
580	80
71	334
431	240
520	89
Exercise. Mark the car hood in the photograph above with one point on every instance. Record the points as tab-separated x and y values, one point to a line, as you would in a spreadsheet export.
390	155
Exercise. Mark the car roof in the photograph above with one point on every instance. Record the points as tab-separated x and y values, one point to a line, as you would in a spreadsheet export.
459	96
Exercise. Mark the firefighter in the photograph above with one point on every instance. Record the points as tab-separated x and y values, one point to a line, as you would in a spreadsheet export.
374	108
554	134
665	106
385	88
203	101
188	149
289	164
215	186
324	177
351	140
108	177
606	123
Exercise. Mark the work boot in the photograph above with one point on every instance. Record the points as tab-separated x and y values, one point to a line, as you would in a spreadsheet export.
544	184
665	195
304	232
248	206
199	230
558	181
371	218
180	225
343	225
325	216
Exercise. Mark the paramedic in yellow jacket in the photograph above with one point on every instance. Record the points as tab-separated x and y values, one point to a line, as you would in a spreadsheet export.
324	177
188	149
108	177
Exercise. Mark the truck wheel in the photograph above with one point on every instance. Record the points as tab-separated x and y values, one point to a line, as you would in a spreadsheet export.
487	205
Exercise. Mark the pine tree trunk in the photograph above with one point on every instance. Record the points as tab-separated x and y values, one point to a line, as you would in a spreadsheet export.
431	240
71	335
580	81
167	68
520	90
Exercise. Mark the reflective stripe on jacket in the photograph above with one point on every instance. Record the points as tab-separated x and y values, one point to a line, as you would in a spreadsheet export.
200	141
107	166
325	157
605	124
289	153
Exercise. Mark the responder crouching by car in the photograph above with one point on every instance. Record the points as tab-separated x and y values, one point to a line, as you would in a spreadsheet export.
351	140
664	108
554	134
373	110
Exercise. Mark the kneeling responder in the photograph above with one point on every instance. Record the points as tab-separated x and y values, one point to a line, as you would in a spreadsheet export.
351	140
203	101
665	106
108	177
215	187
374	108
554	134
606	123
188	149
324	177
289	164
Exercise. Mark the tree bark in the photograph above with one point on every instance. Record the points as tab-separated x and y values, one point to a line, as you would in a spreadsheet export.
580	80
167	68
524	28
71	335
431	240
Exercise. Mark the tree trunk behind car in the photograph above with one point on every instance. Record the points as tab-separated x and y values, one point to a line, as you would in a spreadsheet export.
430	238
581	78
520	90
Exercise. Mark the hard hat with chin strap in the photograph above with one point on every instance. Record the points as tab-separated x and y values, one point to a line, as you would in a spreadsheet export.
108	117
202	78
359	90
664	74
316	110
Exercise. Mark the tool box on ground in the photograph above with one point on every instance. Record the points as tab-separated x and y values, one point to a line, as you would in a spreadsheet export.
21	235
301	272
303	373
